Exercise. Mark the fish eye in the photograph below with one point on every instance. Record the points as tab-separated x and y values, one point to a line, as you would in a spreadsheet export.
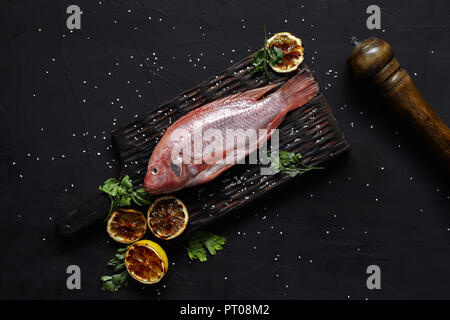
155	170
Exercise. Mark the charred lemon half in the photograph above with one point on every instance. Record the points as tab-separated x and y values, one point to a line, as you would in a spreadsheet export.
146	261
167	217
126	225
292	51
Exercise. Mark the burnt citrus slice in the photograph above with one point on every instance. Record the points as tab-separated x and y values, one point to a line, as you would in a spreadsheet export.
146	261
292	51
167	217
126	225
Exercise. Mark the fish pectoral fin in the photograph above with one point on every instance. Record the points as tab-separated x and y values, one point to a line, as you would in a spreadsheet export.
209	174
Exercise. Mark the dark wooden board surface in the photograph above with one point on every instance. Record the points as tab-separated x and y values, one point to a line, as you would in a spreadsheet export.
311	130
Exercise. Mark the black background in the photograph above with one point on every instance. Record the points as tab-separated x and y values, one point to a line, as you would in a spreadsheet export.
385	203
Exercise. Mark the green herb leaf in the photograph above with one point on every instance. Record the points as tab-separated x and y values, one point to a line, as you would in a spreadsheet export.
121	251
201	240
126	183
109	186
289	163
196	251
121	194
266	56
120	267
276	55
214	243
141	197
124	200
258	61
107	284
115	282
120	278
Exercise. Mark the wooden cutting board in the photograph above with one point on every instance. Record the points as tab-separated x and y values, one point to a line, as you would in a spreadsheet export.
311	130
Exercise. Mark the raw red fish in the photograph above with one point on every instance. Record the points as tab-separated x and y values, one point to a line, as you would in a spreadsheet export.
168	170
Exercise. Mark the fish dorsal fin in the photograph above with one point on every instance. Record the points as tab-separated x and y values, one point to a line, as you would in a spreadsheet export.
250	94
255	93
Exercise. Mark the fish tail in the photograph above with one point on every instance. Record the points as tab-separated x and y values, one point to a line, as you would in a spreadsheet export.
299	90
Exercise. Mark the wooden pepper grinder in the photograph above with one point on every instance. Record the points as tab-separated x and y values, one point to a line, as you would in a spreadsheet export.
372	62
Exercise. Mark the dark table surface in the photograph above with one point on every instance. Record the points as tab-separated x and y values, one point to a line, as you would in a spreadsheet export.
61	92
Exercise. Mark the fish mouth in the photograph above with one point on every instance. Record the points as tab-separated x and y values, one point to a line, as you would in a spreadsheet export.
159	189
152	190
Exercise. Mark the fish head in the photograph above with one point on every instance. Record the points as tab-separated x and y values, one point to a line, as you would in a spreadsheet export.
165	173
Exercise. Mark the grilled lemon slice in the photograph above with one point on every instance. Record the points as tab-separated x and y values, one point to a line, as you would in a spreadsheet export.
126	225
292	51
146	261
167	217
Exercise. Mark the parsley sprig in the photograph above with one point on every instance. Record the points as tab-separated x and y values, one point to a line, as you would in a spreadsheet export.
289	163
120	277
266	56
201	240
122	193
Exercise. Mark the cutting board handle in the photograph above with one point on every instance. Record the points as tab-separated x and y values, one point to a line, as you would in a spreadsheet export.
86	215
